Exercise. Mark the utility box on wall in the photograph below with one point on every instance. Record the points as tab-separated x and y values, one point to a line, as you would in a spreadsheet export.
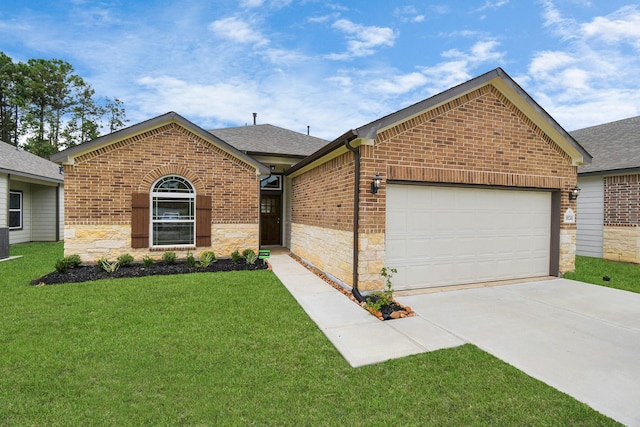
4	242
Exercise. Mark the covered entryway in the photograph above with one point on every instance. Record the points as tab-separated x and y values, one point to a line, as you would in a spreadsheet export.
439	236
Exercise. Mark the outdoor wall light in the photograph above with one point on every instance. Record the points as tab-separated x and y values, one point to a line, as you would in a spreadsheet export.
574	192
61	169
375	183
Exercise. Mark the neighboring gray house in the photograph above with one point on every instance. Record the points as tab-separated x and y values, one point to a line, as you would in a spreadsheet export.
608	217
31	196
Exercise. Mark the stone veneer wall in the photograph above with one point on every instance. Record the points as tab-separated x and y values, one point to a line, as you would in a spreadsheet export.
621	243
328	249
99	187
92	242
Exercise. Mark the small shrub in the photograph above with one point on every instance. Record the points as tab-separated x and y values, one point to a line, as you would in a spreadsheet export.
250	256
73	261
236	257
191	260
125	260
147	261
63	265
169	257
206	258
109	267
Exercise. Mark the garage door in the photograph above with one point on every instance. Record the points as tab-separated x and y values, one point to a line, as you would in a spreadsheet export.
439	236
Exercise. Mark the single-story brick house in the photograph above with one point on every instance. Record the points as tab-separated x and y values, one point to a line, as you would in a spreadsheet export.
470	185
31	194
609	202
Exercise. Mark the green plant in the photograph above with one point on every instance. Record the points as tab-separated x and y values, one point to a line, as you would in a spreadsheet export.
250	256
236	257
206	258
169	257
147	261
191	260
377	300
109	267
125	260
64	264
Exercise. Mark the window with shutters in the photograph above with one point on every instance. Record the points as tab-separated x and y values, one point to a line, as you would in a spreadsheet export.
173	212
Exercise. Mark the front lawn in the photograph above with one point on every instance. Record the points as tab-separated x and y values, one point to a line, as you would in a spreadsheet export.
621	275
229	348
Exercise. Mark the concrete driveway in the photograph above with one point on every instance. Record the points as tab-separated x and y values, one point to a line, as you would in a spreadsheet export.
582	339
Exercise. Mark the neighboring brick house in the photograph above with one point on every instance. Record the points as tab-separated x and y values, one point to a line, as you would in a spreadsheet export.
609	201
31	196
471	185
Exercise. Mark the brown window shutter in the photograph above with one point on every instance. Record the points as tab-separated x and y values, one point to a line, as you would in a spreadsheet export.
203	220
140	220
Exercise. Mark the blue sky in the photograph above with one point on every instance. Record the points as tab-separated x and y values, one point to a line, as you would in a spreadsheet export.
333	65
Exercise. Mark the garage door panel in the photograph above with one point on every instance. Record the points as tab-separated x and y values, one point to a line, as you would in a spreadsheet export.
439	236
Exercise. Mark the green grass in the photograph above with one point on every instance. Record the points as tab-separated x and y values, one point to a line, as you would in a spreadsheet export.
217	349
622	275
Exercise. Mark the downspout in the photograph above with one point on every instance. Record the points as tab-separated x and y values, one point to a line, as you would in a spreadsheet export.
356	219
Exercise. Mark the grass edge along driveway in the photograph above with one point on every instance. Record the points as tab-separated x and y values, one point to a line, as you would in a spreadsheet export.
228	349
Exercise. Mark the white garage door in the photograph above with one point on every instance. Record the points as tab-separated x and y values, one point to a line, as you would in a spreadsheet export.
438	236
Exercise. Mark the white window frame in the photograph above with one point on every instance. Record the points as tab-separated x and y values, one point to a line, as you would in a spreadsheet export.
188	194
20	210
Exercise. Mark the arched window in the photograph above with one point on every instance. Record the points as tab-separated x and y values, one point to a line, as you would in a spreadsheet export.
173	214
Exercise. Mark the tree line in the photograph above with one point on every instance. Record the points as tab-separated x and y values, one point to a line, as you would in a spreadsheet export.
45	107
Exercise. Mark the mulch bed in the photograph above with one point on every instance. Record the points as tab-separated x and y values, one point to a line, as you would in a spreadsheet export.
86	273
394	310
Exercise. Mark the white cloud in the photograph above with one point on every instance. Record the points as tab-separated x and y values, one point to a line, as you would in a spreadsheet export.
496	4
592	77
399	84
237	30
621	26
409	14
362	40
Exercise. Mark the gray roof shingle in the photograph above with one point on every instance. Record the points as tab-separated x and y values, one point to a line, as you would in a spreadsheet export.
19	162
269	139
614	145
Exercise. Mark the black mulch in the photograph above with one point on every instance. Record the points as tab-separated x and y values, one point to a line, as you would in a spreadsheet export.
87	273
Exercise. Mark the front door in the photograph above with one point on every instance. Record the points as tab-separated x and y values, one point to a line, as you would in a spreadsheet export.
270	220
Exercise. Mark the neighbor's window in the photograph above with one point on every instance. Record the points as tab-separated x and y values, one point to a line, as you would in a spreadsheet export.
15	210
173	219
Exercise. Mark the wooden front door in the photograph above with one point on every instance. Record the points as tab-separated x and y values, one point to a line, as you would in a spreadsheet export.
270	219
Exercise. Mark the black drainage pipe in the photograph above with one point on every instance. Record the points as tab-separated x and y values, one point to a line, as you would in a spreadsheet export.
356	220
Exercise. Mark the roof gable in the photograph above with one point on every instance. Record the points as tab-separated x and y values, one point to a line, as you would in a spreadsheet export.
505	85
16	161
498	79
69	155
614	145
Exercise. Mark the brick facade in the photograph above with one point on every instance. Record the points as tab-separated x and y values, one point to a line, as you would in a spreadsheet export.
100	186
622	200
480	138
621	234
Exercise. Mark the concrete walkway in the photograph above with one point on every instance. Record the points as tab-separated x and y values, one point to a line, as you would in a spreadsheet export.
581	339
359	337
